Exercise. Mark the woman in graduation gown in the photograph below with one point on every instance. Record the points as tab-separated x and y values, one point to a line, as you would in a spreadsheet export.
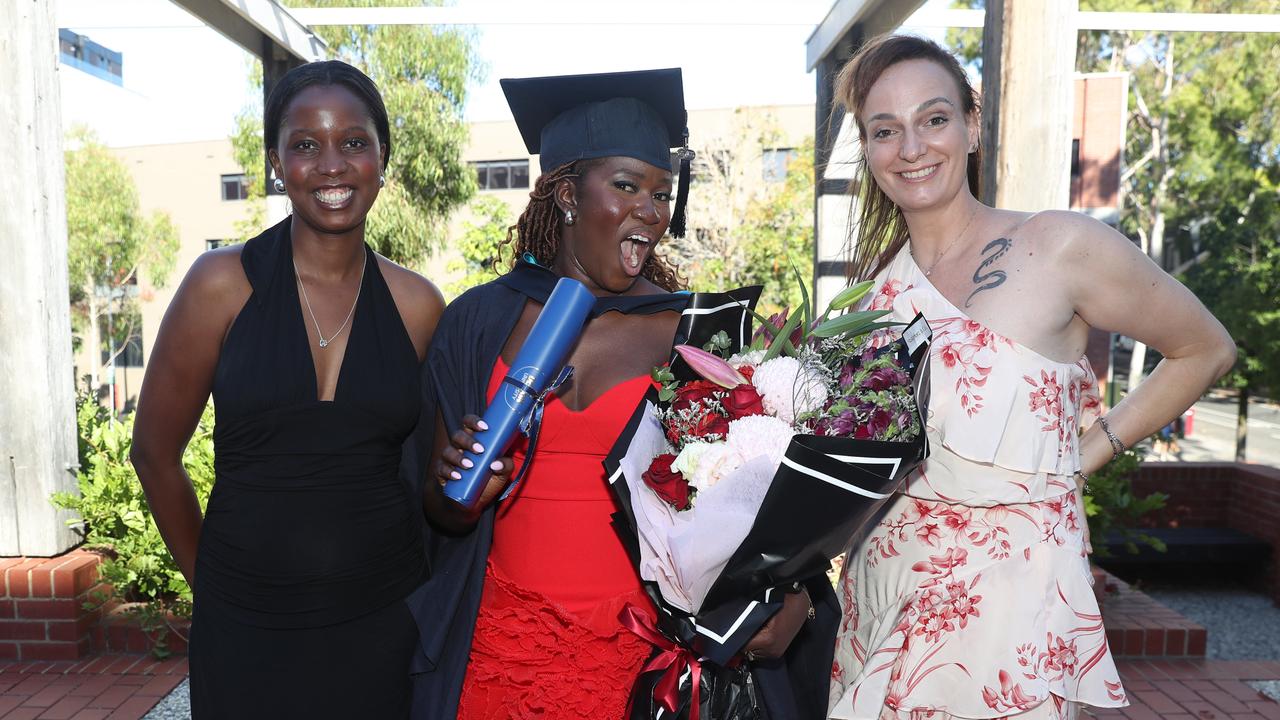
520	618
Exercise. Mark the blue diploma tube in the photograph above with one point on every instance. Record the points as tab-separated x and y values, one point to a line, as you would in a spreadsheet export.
538	363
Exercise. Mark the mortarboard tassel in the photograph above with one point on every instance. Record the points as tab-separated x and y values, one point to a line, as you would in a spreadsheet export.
682	193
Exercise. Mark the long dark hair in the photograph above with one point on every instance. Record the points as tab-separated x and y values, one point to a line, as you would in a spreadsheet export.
326	72
537	232
881	231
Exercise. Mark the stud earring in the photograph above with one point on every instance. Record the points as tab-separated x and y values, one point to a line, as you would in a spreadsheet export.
569	217
382	180
278	184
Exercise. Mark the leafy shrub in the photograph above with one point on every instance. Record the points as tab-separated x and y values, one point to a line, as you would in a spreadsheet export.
115	520
1114	510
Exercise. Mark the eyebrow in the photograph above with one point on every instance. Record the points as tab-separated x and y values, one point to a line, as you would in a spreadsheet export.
308	131
919	108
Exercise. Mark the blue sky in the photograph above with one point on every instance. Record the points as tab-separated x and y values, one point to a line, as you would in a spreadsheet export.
183	81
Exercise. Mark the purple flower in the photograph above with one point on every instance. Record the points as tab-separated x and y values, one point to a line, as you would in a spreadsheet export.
884	379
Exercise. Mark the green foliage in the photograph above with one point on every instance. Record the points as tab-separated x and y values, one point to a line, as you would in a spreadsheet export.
115	519
422	72
743	230
479	245
1203	157
109	239
1112	507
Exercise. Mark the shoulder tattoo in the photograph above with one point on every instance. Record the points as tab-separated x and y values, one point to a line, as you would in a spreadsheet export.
983	277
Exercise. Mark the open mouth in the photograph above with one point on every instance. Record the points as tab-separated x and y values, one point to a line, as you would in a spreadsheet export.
635	248
921	174
333	197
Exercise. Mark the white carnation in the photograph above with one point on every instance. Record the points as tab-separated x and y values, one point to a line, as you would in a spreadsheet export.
760	436
715	462
686	462
788	388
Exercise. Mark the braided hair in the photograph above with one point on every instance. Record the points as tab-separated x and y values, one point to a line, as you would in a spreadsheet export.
537	232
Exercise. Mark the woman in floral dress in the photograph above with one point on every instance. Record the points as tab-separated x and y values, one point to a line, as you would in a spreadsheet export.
972	598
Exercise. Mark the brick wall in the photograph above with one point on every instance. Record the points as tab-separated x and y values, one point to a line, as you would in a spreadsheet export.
1255	510
1240	496
42	613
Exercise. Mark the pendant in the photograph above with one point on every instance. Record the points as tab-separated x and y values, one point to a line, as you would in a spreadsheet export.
324	343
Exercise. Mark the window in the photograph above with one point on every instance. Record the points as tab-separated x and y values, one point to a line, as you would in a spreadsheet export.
1075	158
776	161
215	244
710	165
234	187
501	174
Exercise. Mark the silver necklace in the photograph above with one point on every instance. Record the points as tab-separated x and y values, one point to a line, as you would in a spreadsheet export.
323	342
952	244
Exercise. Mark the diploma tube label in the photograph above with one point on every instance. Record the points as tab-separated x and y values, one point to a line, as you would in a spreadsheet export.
539	361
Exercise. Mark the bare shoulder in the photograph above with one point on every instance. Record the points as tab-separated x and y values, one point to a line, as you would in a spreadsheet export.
1074	232
418	299
217	280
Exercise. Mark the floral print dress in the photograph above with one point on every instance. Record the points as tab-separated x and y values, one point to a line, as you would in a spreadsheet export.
972	597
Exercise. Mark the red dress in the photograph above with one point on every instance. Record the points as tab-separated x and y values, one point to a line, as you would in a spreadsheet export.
548	643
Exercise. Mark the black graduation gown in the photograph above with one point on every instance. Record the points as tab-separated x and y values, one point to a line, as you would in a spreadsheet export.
470	336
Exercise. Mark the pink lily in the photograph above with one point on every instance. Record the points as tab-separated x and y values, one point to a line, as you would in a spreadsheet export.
711	367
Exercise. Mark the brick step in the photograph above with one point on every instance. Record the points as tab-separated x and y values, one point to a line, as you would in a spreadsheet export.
1139	627
51	609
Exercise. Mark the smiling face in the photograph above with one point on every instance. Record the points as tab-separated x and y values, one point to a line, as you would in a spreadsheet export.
329	157
622	207
917	136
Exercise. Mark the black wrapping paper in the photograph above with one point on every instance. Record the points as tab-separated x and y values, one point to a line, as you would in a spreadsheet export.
822	499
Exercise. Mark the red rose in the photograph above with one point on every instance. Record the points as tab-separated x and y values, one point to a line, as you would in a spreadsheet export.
710	423
669	484
693	392
747	371
743	401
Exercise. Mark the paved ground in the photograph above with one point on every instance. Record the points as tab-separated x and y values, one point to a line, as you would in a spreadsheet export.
1213	434
110	687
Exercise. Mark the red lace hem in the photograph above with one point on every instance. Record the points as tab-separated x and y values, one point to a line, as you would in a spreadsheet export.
531	658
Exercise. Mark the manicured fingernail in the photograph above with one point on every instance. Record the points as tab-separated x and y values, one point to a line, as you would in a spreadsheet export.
496	465
455	475
477	448
482	425
466	463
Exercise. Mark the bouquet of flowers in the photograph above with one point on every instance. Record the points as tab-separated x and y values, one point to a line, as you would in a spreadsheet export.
758	460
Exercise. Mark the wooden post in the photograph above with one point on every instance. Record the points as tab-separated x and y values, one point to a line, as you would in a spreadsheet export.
1028	55
37	394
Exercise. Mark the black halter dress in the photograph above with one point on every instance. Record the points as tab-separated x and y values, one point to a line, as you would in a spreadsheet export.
311	540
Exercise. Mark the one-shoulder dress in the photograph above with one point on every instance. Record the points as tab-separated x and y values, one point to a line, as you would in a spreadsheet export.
972	598
311	540
548	643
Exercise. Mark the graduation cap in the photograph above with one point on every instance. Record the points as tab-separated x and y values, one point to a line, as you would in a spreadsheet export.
637	114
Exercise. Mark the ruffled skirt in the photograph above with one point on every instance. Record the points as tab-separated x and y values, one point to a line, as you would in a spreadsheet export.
953	611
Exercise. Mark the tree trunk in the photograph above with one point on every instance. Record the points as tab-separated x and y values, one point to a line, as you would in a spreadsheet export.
93	339
1242	423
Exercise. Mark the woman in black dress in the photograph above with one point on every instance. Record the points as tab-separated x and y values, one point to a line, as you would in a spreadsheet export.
310	344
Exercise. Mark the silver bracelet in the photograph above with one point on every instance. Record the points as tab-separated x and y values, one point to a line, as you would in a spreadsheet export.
1084	483
1117	447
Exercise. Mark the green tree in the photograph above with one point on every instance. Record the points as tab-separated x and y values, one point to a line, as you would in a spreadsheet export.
478	247
743	228
109	243
777	234
422	72
1203	166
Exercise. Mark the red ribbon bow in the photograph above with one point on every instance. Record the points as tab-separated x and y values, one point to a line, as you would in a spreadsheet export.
673	659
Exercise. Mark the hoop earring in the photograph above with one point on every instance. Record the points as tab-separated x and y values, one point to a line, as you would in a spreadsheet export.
278	184
569	217
382	180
